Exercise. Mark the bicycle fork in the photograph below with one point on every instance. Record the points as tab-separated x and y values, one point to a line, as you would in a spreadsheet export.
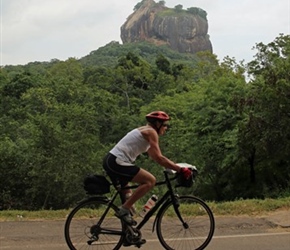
176	206
164	201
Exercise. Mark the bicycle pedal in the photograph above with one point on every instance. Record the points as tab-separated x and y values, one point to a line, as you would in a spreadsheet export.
136	244
140	243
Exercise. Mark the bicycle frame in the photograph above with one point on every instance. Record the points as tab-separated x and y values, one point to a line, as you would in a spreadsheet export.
168	196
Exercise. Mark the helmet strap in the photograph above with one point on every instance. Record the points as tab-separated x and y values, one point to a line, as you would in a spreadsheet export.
157	129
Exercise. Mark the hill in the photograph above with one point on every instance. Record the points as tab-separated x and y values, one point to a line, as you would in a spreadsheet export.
109	54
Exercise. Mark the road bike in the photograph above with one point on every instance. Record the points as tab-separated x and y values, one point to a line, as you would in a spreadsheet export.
181	221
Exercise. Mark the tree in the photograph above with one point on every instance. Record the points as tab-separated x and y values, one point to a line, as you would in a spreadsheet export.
178	8
138	5
132	79
193	10
163	64
265	133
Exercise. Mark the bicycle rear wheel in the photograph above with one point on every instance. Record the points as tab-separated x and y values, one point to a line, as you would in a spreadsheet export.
195	233
83	229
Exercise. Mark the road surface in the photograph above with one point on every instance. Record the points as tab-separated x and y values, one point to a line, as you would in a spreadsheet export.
239	233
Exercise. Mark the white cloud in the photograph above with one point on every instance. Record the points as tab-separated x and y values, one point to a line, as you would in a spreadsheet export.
39	30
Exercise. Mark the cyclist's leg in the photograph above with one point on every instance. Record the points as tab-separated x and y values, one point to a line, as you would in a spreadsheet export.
125	195
123	174
147	182
120	176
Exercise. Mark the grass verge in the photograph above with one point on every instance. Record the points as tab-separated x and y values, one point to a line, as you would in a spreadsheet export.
252	207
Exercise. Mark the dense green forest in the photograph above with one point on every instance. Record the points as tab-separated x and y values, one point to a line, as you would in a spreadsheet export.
59	118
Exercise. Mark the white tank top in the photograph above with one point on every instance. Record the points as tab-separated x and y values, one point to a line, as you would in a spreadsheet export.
130	147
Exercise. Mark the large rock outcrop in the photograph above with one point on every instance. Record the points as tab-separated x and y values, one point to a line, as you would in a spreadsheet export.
183	31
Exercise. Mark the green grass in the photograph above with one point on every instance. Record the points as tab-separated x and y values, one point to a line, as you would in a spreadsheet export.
239	207
250	207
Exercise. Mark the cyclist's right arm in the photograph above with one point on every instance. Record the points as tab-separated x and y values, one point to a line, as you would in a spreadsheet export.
155	153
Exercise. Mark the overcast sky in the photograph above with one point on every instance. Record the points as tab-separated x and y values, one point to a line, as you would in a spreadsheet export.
41	30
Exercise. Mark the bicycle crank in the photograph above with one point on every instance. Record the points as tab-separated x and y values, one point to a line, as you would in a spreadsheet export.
133	237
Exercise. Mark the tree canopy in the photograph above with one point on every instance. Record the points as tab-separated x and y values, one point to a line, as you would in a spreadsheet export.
59	119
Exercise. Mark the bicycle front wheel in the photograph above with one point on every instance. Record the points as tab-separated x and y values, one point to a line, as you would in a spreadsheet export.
197	230
86	226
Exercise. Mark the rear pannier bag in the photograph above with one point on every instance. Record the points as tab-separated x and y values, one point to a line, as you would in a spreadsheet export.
96	184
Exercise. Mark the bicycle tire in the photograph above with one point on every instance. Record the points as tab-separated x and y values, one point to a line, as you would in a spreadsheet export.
196	214
80	226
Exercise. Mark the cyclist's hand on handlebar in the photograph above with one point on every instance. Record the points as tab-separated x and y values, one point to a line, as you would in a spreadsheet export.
186	172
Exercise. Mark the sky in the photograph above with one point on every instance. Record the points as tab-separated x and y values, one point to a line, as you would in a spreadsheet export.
42	30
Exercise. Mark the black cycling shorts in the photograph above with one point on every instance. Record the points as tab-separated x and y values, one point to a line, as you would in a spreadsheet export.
119	174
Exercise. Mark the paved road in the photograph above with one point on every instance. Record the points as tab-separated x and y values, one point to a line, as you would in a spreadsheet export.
238	233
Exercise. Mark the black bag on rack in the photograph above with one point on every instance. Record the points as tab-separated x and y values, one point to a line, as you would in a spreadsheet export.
96	184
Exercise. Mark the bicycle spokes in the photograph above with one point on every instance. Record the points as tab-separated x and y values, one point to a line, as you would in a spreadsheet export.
190	226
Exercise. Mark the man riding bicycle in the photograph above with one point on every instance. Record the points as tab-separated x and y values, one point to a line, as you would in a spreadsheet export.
119	162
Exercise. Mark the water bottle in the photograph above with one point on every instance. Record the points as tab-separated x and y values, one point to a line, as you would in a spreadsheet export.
149	204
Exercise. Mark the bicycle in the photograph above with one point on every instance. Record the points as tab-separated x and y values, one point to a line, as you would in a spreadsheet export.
181	222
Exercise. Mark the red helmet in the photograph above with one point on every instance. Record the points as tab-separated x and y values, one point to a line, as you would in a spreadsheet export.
157	115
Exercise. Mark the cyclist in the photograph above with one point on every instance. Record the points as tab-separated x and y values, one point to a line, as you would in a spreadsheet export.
119	162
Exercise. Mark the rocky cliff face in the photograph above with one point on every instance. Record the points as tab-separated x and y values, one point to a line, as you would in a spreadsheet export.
181	30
